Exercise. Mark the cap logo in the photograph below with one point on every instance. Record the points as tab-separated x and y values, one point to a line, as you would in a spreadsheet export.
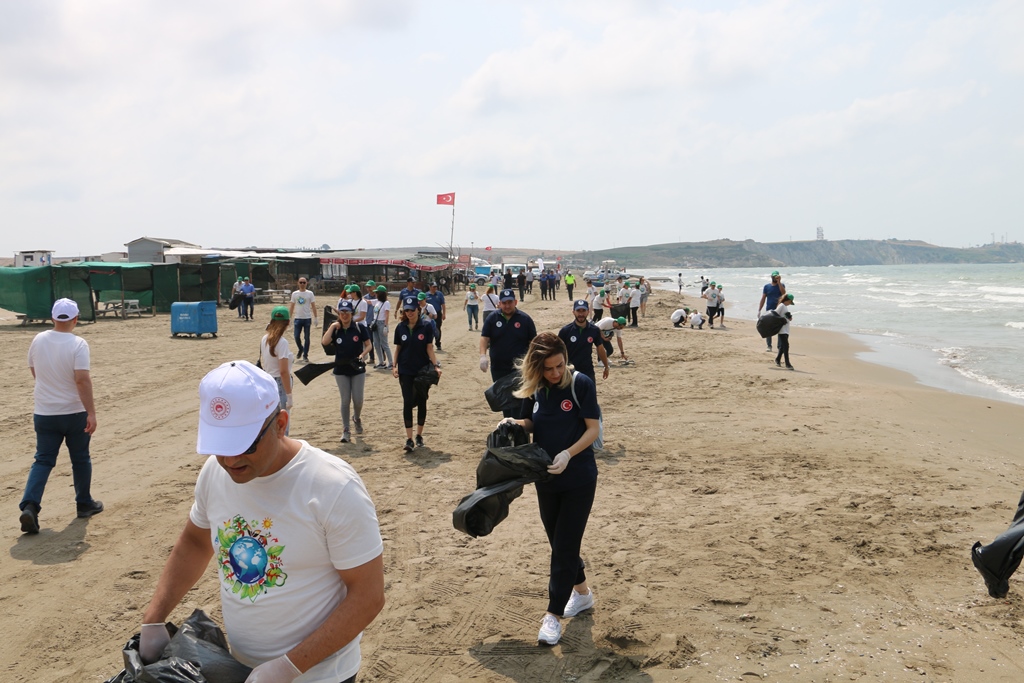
220	408
566	405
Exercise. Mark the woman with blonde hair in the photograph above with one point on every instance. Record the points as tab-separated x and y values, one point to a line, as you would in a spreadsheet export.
563	418
276	358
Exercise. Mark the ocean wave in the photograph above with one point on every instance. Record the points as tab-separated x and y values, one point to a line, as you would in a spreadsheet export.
1016	291
1016	326
1005	299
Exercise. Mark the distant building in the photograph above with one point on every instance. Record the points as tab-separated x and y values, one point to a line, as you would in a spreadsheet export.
33	258
151	249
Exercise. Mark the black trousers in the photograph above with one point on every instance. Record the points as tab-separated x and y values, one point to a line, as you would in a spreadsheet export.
598	312
565	516
568	288
783	349
437	328
409	399
632	312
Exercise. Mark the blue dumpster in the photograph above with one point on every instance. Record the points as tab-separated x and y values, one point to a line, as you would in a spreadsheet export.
194	317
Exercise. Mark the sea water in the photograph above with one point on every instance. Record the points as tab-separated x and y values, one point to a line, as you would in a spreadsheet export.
959	327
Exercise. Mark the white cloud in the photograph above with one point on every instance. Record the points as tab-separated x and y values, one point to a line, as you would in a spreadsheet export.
641	53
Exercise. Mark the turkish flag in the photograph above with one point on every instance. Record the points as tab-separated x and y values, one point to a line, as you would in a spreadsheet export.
487	248
446	198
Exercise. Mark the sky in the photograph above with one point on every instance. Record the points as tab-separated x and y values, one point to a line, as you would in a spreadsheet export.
558	124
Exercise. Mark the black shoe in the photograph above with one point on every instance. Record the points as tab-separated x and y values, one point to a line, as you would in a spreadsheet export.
93	508
779	363
419	441
409	446
30	519
997	588
790	367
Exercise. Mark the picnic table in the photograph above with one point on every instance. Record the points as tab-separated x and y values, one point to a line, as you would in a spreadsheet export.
280	296
120	309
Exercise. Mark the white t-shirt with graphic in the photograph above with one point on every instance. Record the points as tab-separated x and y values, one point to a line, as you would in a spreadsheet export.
55	356
272	364
303	304
279	542
712	296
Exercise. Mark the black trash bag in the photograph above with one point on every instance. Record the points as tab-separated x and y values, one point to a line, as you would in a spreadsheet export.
769	324
492	469
425	378
236	301
310	371
478	513
499	395
528	459
197	653
998	560
620	311
330	315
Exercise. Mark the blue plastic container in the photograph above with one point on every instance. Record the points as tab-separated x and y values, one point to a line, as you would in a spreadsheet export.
194	317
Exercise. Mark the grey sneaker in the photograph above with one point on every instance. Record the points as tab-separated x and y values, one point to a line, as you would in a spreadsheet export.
578	603
550	630
345	437
358	425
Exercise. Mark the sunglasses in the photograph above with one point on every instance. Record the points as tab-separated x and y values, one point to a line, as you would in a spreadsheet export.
302	282
256	443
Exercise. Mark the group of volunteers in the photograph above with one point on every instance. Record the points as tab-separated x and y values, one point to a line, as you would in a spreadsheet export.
293	528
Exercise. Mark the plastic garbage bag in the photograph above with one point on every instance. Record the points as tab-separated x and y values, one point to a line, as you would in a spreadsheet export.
528	460
197	653
425	378
998	560
330	315
499	395
769	324
478	513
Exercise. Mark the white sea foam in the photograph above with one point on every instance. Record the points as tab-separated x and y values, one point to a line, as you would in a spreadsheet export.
1016	326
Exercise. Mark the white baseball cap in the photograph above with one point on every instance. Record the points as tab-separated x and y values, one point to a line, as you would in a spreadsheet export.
235	400
64	309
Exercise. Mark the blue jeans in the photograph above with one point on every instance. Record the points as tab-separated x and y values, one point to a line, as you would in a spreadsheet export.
51	432
302	325
473	313
283	400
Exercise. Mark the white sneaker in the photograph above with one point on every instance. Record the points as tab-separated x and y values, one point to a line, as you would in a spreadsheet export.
578	603
550	630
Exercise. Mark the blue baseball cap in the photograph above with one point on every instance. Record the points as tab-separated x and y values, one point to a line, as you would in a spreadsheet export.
409	304
580	304
507	295
346	307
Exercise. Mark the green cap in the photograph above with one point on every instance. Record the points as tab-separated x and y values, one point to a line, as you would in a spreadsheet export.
381	288
620	320
371	283
719	286
712	283
788	297
472	286
775	273
421	296
279	313
601	292
239	278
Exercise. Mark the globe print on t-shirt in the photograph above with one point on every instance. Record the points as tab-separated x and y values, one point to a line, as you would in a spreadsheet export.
249	557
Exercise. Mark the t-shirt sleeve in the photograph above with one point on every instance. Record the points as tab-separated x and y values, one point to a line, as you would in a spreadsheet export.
353	532
488	327
281	350
586	392
82	356
198	513
531	328
364	334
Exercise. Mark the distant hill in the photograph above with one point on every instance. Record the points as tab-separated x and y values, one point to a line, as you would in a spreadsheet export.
751	254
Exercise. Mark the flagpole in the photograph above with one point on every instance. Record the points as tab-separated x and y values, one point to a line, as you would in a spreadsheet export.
451	240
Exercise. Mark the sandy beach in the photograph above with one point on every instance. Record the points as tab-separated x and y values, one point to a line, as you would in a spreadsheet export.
750	522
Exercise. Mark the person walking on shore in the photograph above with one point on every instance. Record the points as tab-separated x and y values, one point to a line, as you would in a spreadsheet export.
505	338
63	412
272	508
635	297
562	414
721	306
236	290
770	296
379	328
645	293
352	344
521	283
471	305
581	337
783	310
248	291
711	295
570	283
490	300
276	358
435	298
302	310
679	282
602	304
414	351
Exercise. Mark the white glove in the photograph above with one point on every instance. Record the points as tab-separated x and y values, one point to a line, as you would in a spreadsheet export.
483	363
560	463
288	403
316	323
280	670
152	641
507	420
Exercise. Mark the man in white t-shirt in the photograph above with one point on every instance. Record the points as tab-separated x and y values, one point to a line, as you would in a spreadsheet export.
623	295
635	296
295	534
64	412
302	310
612	327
